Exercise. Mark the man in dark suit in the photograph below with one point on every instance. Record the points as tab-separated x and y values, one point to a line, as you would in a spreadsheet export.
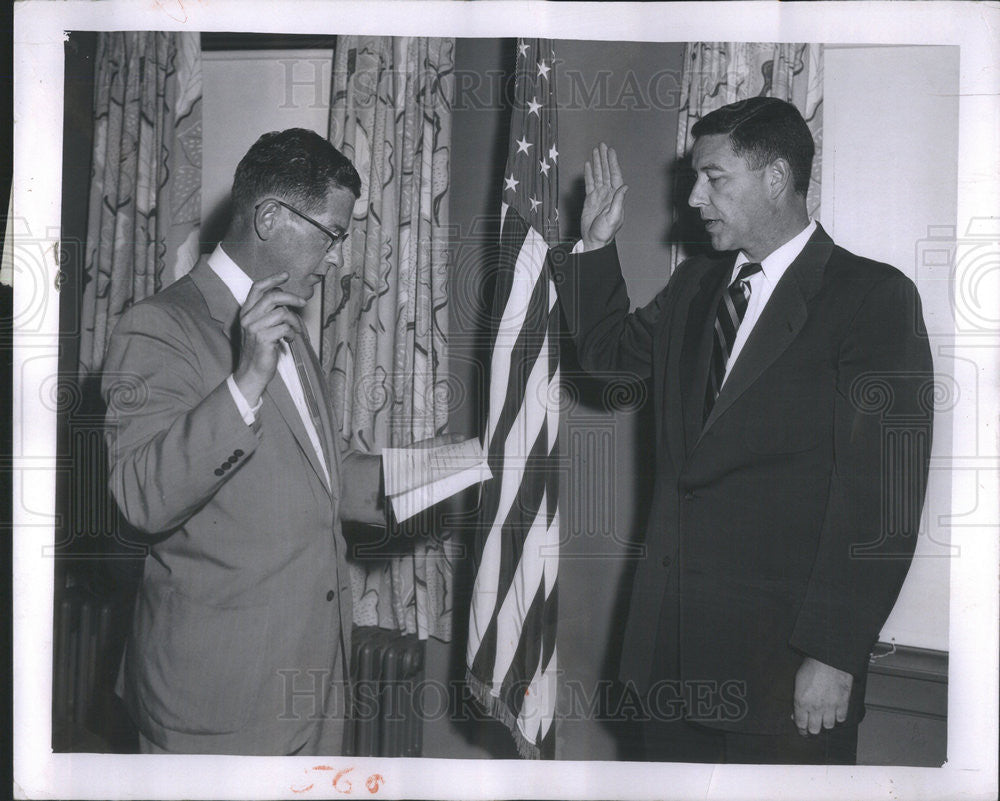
784	514
223	445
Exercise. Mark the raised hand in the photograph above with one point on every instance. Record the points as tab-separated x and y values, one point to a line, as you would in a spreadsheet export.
265	320
603	206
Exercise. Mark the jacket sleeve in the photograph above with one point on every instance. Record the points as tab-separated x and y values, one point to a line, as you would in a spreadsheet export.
882	439
595	302
172	441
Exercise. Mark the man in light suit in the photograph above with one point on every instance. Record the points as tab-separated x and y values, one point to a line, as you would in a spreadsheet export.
785	508
222	443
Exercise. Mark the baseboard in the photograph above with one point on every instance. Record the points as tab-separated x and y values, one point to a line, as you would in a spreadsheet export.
906	708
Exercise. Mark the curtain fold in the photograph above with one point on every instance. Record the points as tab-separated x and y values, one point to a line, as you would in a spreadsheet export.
145	193
718	73
385	317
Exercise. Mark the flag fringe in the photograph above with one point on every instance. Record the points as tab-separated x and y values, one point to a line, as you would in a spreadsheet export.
496	708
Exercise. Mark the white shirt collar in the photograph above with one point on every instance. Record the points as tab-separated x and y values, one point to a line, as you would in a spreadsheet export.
237	281
777	262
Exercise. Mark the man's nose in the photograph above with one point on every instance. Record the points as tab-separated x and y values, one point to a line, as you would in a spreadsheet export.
697	196
335	255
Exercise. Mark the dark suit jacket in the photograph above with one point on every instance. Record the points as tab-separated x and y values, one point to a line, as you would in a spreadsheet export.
785	525
247	590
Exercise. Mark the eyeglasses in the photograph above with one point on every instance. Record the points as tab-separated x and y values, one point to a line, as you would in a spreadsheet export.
335	238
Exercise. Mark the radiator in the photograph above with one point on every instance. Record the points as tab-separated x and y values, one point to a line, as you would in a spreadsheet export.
82	645
386	671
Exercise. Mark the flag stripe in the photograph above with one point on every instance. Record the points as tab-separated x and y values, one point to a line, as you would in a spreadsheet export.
523	311
511	654
526	581
524	358
524	659
535	712
516	497
503	511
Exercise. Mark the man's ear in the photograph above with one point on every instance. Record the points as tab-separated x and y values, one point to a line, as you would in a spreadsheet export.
779	177
265	219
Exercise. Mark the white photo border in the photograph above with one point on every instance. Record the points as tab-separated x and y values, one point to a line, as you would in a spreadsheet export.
39	27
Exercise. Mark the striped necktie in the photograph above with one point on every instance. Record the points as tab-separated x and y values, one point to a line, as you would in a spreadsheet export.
731	311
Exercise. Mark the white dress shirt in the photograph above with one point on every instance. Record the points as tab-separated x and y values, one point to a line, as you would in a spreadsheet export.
239	283
762	284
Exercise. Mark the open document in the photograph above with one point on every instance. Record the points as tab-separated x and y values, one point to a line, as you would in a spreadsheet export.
417	478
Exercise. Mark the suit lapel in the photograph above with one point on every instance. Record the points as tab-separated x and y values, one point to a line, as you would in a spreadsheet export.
326	416
782	319
279	394
224	310
220	301
697	347
671	385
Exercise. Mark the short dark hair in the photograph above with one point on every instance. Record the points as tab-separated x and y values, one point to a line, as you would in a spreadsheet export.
296	165
762	129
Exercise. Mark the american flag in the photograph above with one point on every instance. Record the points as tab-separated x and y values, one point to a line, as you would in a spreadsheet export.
511	653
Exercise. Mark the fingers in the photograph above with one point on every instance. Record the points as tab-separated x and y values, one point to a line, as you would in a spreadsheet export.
808	722
270	299
278	323
605	162
801	718
603	209
613	169
814	720
841	713
602	169
618	202
829	718
261	286
275	297
280	314
599	162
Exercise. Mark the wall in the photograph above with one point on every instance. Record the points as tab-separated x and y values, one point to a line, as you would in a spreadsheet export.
890	189
625	94
246	94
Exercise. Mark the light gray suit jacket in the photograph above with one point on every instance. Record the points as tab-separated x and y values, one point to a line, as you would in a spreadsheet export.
245	602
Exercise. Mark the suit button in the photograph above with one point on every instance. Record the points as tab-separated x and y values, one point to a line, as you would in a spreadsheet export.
667	561
225	466
238	453
232	460
219	471
330	595
689	496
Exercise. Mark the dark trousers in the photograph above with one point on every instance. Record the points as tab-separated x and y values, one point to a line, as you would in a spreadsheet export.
682	741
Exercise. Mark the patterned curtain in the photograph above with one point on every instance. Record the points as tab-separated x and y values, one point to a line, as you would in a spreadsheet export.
385	316
145	192
717	73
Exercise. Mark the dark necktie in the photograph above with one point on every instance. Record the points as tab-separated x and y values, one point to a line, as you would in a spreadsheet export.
731	311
